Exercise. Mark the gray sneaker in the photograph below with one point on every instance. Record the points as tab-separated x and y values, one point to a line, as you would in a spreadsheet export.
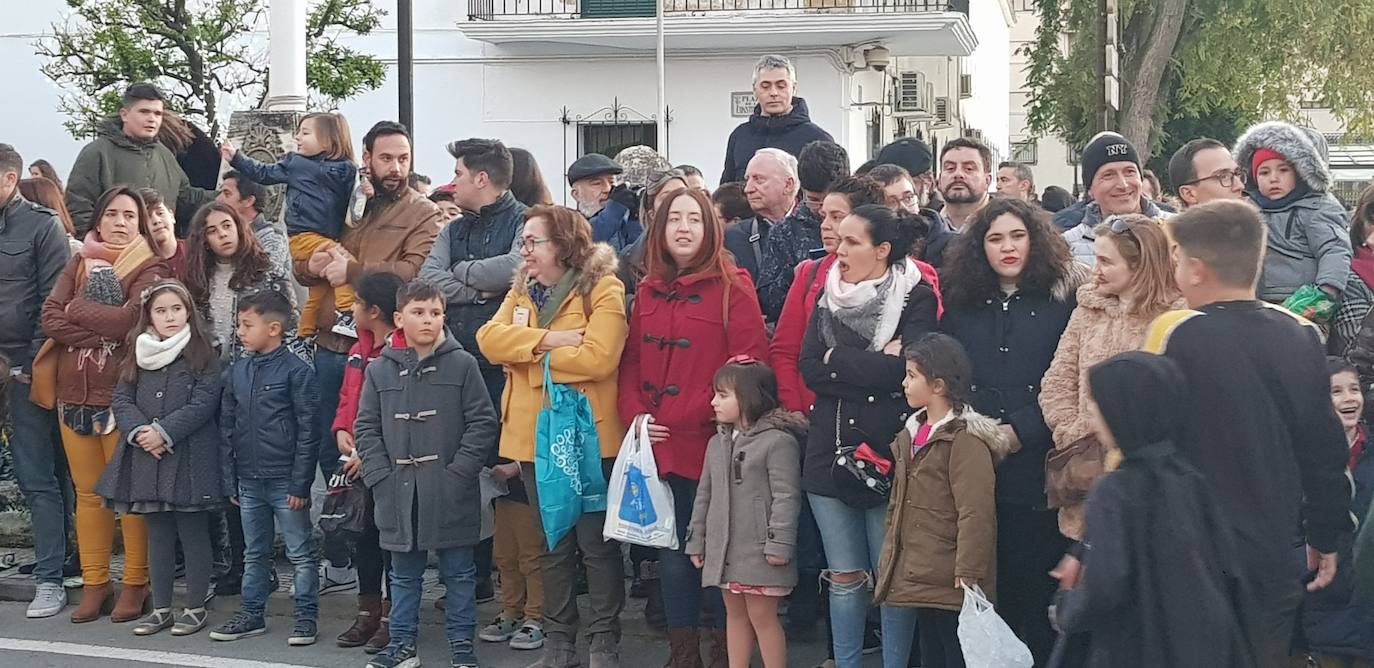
48	600
530	636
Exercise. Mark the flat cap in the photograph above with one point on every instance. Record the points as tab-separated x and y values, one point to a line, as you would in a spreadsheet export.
592	164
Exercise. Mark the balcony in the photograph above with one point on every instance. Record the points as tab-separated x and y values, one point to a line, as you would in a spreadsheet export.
907	27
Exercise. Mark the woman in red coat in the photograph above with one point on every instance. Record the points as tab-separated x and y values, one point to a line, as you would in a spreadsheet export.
693	311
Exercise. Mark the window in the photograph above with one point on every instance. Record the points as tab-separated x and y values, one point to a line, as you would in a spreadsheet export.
611	138
1025	152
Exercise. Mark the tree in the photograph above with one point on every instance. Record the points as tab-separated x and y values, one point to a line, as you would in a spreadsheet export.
199	52
1180	59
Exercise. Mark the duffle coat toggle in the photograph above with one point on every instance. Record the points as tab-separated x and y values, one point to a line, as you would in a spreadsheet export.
412	461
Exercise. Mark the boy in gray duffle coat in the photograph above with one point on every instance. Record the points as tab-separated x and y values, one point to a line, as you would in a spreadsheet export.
425	428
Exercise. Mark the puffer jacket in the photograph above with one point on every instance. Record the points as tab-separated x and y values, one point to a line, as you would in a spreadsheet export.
1098	329
317	189
1082	236
747	503
267	419
1308	242
941	516
33	251
472	261
680	334
425	428
1011	340
789	133
596	305
180	404
114	158
82	329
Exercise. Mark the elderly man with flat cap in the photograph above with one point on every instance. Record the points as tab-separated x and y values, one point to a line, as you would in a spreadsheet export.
613	210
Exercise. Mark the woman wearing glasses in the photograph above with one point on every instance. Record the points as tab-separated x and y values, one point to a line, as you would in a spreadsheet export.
565	304
1132	284
694	309
1009	291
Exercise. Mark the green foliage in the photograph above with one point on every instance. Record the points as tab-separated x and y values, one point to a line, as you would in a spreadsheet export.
1242	59
198	51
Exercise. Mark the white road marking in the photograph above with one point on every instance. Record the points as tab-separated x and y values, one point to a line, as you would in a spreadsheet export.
139	655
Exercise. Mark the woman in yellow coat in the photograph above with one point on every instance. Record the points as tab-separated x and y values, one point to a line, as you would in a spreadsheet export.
565	302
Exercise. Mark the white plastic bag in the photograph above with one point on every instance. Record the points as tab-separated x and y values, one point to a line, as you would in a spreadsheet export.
987	641
639	506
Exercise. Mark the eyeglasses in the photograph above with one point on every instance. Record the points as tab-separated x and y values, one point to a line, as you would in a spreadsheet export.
1224	179
528	243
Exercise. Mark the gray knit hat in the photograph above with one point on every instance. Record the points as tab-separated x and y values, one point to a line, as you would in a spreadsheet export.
642	166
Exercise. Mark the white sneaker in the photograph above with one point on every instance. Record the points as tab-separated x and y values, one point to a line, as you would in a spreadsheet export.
48	600
333	580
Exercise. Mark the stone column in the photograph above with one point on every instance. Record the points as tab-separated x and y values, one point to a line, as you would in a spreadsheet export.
286	89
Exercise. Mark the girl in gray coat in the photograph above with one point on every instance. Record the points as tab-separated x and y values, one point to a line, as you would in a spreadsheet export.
749	496
168	465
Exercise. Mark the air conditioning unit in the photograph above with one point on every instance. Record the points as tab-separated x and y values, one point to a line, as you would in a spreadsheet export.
912	93
942	111
965	86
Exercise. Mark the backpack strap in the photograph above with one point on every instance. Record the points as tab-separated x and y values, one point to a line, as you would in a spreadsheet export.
756	242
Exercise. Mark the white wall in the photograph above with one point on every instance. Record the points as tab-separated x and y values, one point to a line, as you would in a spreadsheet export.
1052	165
987	110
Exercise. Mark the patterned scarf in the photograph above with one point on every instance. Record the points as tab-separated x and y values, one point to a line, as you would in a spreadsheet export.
870	309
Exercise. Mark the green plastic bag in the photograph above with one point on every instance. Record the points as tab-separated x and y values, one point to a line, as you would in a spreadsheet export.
1311	303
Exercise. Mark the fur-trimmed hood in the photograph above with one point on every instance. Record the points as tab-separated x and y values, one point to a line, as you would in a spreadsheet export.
1305	149
976	424
1076	277
600	264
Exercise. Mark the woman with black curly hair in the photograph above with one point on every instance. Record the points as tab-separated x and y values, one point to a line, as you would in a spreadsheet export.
1010	285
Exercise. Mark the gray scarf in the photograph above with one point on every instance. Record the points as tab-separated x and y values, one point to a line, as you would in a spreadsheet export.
861	319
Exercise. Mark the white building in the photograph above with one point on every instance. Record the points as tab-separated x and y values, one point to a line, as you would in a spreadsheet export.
565	77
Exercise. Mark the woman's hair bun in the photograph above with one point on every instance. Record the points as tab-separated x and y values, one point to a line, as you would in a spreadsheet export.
902	230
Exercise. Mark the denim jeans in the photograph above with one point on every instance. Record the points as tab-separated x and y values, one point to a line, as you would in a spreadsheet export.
456	571
680	581
329	373
853	541
40	468
263	507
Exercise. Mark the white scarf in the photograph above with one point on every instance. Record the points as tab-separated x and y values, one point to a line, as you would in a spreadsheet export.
153	352
841	295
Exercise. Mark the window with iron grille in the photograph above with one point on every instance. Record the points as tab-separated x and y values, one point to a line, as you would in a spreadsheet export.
1025	152
611	138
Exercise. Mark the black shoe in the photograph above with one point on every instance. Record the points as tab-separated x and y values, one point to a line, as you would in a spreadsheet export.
242	625
464	655
273	582
396	656
485	592
303	633
231	584
873	640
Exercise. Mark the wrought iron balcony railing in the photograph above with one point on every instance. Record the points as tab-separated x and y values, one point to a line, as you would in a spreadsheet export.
488	10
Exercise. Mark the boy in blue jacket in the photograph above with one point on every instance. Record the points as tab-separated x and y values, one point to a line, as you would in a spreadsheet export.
270	444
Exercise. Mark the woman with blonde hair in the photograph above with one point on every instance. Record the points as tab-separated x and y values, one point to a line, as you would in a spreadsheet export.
1132	284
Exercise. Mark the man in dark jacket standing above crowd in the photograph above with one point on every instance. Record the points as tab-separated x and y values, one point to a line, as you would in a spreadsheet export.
475	256
612	210
780	120
33	251
127	152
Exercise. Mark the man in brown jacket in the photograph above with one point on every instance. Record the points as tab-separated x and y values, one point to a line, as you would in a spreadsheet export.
394	234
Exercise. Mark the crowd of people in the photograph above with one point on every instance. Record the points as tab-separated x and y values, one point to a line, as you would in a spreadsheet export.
870	393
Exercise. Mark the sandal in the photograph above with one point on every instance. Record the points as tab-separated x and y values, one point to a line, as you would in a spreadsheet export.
155	622
190	622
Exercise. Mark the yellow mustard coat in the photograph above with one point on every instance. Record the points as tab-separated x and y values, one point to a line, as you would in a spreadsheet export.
592	368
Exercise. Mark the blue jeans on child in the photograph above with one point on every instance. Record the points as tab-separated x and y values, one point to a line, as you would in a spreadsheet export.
263	507
683	596
853	541
458	573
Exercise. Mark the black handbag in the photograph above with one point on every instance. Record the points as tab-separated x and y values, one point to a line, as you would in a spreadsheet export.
345	513
862	476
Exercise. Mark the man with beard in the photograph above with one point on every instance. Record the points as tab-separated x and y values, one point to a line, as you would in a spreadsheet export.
965	174
127	151
475	256
612	210
1111	169
771	187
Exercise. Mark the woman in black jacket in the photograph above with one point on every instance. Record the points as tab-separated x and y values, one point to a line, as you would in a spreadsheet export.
1010	285
874	299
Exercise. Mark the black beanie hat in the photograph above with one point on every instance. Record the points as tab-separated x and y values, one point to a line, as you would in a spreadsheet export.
1105	148
909	153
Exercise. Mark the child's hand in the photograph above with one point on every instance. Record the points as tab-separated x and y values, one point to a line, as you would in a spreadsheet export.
776	561
700	560
296	502
344	441
368	190
227	150
353	467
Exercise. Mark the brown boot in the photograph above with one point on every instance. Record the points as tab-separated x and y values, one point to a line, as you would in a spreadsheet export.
719	657
368	619
95	601
685	645
132	600
382	636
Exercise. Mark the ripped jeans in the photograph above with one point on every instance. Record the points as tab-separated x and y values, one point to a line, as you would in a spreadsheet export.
853	540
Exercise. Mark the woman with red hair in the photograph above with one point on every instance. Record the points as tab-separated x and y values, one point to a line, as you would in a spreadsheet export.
694	310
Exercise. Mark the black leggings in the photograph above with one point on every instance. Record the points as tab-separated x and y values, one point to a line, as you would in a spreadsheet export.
939	633
372	561
164	529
